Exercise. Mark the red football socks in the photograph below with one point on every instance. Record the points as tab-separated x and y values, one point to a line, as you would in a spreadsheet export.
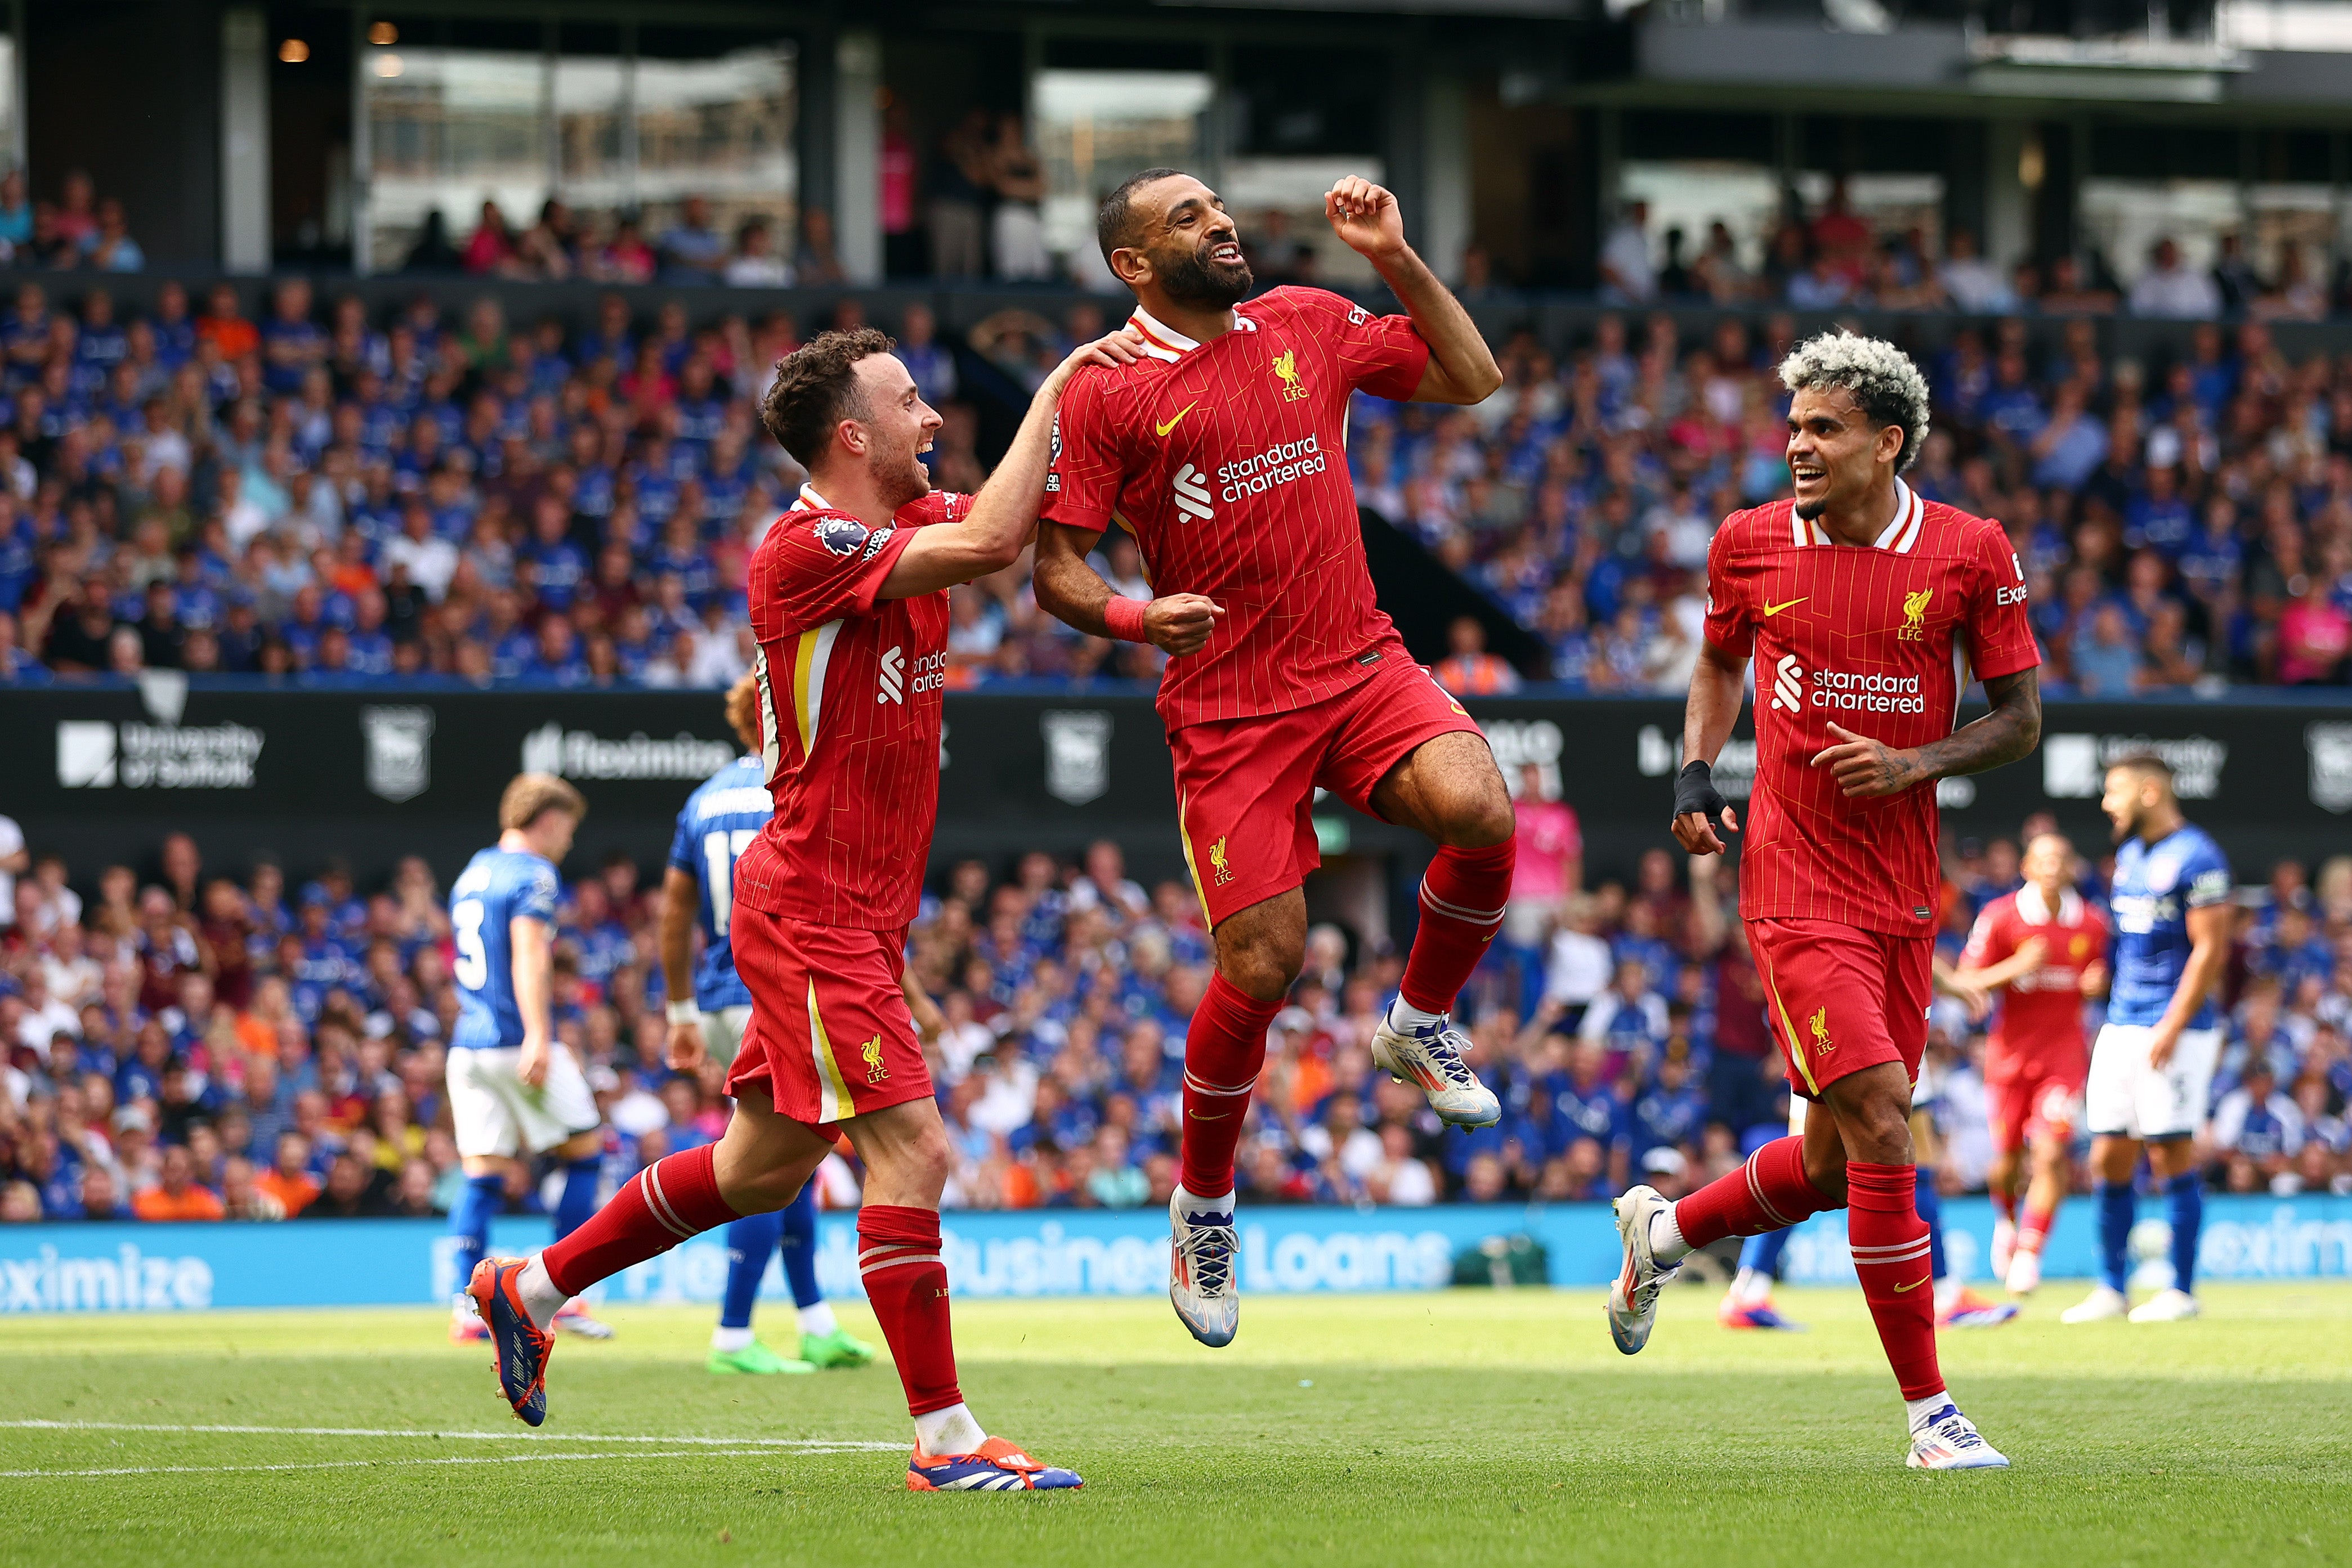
1891	1257
659	1207
2034	1228
1462	898
2004	1204
1223	1051
907	1286
1771	1192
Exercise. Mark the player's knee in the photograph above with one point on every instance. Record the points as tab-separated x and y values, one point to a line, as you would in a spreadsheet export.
1263	967
1476	814
928	1159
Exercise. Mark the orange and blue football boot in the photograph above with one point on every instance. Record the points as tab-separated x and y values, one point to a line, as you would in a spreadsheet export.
523	1345
1754	1315
996	1466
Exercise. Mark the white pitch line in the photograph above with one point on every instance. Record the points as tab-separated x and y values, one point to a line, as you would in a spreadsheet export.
374	1464
825	1445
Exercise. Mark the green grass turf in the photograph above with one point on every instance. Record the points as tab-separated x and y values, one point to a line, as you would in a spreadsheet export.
1462	1427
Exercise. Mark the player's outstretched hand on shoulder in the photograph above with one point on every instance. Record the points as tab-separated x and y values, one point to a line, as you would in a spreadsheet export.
684	1053
1863	767
1180	622
1365	216
1111	351
1700	809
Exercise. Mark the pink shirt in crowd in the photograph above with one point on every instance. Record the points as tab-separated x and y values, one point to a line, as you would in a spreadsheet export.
1549	840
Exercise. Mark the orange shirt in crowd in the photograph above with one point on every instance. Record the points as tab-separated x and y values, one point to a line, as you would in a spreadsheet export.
297	1194
195	1203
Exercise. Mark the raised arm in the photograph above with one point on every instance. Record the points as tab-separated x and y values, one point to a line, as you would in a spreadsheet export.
1462	368
991	536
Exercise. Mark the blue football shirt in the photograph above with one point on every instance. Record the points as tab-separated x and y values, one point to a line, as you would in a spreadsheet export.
2156	887
497	888
720	819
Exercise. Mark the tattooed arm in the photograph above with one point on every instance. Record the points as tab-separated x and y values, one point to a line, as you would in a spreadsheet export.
2010	731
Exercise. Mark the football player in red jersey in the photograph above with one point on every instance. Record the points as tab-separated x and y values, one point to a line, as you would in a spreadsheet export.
1224	451
848	600
1855	599
2049	948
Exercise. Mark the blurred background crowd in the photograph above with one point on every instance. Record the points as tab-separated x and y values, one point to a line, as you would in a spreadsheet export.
331	494
185	1041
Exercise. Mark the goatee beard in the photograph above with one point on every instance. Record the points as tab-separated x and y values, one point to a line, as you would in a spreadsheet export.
1193	280
1809	510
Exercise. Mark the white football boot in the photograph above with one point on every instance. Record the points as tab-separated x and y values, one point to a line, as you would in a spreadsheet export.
2004	1247
2024	1272
1429	1058
2104	1301
1633	1295
1201	1272
1950	1441
2167	1306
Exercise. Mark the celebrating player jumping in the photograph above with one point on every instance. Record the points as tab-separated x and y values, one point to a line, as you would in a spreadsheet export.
1854	601
2049	948
2152	1066
848	600
710	1008
1223	451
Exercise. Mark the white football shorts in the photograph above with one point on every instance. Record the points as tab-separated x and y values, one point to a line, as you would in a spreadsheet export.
722	1033
494	1112
2127	1098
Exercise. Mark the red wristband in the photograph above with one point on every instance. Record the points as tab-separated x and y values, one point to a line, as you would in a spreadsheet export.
1124	617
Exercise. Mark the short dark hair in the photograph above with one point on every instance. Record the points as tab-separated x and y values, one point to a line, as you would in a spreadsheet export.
1115	223
2148	765
816	388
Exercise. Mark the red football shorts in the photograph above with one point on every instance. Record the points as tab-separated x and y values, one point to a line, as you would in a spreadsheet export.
1245	787
2034	1098
1841	999
830	1036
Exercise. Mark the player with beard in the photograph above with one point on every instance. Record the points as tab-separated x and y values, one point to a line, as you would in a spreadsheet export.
1858	600
2152	1065
849	602
1223	451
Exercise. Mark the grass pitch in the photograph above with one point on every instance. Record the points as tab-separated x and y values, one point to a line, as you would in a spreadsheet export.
1461	1427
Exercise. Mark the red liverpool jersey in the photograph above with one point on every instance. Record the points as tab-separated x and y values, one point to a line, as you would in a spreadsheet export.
1227	461
1867	638
2041	1014
849	717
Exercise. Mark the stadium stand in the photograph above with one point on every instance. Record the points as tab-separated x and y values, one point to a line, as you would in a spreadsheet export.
186	1044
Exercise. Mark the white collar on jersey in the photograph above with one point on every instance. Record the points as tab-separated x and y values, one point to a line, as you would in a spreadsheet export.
808	501
1162	341
1900	535
2034	910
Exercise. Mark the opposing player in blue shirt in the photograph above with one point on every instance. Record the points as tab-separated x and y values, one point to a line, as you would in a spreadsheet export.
708	1006
2152	1065
515	1090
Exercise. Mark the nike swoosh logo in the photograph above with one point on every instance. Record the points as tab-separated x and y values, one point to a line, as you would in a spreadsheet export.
1912	1286
1198	1117
1769	609
1181	412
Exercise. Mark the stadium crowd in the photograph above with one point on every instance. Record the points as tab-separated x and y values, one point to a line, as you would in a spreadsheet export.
186	1044
322	497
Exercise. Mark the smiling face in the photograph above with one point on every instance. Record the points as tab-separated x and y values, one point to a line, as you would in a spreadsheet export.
1183	244
896	428
1835	451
